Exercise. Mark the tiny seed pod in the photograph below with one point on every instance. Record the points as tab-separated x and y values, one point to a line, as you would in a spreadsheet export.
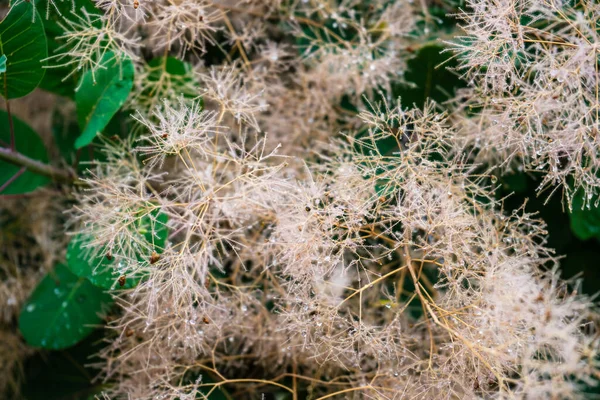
109	256
539	298
122	280
154	257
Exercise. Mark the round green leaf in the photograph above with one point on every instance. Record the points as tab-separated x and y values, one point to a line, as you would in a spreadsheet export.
62	310
102	271
105	270
27	142
99	100
23	41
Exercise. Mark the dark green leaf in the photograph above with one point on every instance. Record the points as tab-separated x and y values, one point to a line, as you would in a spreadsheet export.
65	131
23	41
62	310
66	374
2	64
62	80
27	142
98	101
170	65
430	76
585	222
169	73
514	182
105	269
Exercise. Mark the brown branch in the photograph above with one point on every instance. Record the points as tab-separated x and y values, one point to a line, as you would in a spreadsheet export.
37	167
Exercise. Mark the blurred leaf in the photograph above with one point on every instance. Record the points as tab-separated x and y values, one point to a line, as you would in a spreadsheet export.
23	41
65	132
430	77
516	183
170	65
55	80
27	142
104	270
585	222
64	374
62	310
97	102
584	262
427	78
551	210
166	78
2	64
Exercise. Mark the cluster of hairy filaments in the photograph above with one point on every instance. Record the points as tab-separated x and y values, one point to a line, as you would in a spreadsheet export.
533	70
396	273
346	255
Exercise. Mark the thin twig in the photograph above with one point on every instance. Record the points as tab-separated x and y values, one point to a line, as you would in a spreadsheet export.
37	167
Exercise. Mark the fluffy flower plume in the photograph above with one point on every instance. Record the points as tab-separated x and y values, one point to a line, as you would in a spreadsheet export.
533	67
323	236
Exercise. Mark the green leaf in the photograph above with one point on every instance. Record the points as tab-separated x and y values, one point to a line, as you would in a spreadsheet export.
27	142
66	374
585	222
514	182
55	80
431	78
98	101
170	65
65	131
62	310
168	74
2	64
23	41
105	269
